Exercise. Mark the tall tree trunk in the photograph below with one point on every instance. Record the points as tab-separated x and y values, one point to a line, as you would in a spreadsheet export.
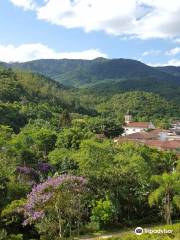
59	221
70	231
60	229
168	208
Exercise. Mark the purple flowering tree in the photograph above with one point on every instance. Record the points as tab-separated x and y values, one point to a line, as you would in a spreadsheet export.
57	201
27	174
44	169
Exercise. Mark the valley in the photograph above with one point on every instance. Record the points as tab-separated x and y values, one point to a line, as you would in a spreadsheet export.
70	164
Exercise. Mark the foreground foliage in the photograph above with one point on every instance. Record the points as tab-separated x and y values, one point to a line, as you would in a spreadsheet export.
61	173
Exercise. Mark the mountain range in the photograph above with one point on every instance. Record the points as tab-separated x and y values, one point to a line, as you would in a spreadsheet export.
107	76
109	88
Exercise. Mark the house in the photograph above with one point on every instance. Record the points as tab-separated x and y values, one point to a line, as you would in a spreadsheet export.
131	127
175	127
154	134
157	138
145	133
164	145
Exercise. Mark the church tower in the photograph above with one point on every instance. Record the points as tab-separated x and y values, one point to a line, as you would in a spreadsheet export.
128	117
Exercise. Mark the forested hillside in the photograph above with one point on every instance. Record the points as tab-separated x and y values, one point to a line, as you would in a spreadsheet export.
31	96
26	96
79	72
108	76
171	70
61	174
144	106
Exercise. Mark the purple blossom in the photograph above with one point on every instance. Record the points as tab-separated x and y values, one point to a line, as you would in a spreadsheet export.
43	192
34	217
28	172
23	170
44	167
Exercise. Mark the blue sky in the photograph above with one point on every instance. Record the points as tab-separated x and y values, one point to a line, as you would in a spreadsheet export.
146	30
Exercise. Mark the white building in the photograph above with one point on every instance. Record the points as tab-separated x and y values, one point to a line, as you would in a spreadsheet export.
175	127
135	127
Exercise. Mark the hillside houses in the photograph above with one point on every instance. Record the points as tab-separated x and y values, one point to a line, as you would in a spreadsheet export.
146	133
131	127
175	127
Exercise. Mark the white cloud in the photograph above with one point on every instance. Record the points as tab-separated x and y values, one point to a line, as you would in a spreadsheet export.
151	53
27	52
170	52
174	62
138	18
177	40
171	62
26	4
90	14
156	64
173	51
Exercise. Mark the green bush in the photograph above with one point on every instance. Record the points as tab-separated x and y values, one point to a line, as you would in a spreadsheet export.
102	212
5	236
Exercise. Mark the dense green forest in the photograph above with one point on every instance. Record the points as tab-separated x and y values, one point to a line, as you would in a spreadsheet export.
82	72
108	76
60	180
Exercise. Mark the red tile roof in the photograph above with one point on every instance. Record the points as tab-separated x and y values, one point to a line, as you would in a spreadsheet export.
153	134
171	145
163	145
138	124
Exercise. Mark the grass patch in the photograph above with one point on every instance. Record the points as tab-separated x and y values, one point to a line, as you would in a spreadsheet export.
129	234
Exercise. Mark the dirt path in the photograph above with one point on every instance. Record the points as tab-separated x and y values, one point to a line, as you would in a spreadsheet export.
105	236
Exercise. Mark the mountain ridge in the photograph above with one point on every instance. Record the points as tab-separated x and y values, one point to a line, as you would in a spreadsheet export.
88	70
107	76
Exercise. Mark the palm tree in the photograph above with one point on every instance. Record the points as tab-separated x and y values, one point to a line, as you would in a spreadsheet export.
168	192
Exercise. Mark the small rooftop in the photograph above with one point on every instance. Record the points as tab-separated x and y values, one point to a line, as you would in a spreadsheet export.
138	124
163	145
166	145
153	134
